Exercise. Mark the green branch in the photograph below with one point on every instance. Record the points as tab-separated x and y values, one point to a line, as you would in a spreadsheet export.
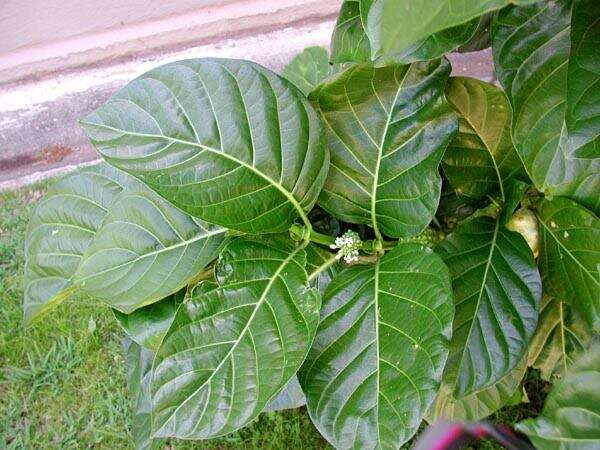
428	237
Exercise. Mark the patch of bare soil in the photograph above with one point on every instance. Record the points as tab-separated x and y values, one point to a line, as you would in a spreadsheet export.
54	153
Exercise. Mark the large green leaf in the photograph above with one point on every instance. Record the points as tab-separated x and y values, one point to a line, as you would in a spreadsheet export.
395	25
481	38
387	130
571	415
60	229
227	141
145	250
139	364
433	46
513	195
561	334
480	404
204	286
570	255
290	397
481	159
371	374
308	69
548	67
232	349
349	42
322	266
147	326
583	91
497	292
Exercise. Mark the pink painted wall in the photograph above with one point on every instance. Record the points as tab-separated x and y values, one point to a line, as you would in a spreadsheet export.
42	37
32	22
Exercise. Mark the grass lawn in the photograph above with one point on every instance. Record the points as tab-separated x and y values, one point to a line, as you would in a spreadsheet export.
62	381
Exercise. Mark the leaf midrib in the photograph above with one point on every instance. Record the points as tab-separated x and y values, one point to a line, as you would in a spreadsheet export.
487	147
236	342
289	197
380	151
58	298
562	335
376	306
483	284
152	253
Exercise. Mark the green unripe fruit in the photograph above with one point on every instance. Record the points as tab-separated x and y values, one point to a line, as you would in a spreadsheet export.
525	223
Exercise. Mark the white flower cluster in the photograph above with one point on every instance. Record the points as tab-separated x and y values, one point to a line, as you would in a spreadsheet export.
348	244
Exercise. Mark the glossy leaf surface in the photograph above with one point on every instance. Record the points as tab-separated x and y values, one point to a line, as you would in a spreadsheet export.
514	194
481	38
481	159
139	364
350	43
570	255
308	69
202	287
290	397
583	93
148	325
319	263
229	351
145	250
497	291
387	131
371	374
434	46
561	334
480	404
547	64
60	229
571	416
395	25
227	141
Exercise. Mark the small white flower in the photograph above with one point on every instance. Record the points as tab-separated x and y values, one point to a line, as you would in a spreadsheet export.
348	244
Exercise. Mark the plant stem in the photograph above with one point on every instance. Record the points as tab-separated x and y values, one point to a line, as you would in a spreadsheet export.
208	273
323	239
299	232
492	210
326	265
